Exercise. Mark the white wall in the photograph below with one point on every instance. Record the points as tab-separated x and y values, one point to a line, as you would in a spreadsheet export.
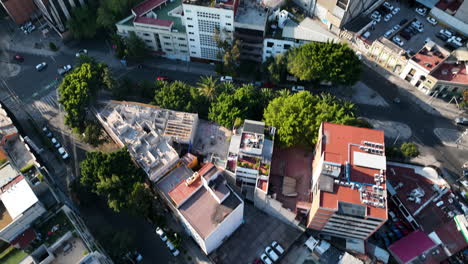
417	75
277	48
201	44
226	228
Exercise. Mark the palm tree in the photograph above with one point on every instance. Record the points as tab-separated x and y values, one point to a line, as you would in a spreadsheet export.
284	93
208	87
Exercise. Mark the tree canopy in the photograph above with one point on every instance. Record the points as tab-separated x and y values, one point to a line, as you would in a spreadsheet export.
82	23
316	61
178	96
136	48
111	11
297	117
276	67
115	177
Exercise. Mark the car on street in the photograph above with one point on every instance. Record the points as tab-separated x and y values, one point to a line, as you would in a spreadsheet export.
64	69
41	66
162	78
446	33
396	27
47	132
257	261
431	20
366	35
161	234
81	52
63	153
388	33
461	121
266	259
388	17
55	142
398	41
297	88
376	16
421	11
277	247
395	10
271	253
388	6
226	79
175	252
18	58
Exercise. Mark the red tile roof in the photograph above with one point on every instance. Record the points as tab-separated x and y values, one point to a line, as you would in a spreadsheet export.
147	6
154	21
429	59
24	239
451	73
335	149
411	246
183	191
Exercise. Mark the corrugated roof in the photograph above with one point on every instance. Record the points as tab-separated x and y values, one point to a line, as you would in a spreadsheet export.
308	30
254	127
411	246
24	238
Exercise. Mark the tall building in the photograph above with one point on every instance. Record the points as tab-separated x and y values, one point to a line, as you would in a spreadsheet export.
202	18
19	10
348	182
58	12
160	24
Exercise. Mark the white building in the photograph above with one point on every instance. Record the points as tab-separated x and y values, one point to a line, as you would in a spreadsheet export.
160	24
19	206
209	209
289	34
201	18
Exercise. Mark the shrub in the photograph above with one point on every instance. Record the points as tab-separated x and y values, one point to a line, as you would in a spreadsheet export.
409	149
27	167
52	46
2	161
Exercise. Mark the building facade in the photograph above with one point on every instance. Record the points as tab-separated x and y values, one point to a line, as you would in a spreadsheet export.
20	11
348	182
202	20
160	24
58	12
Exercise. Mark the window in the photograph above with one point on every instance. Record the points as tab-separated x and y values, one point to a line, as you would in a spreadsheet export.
148	40
207	15
190	26
278	45
166	37
209	53
170	50
181	38
207	40
167	43
287	46
228	16
229	31
228	24
192	40
193	52
270	44
146	34
191	33
208	26
189	18
192	46
342	4
182	45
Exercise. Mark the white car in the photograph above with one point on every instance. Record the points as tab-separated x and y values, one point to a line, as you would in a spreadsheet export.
161	234
395	10
376	17
266	259
63	153
55	143
396	27
277	247
271	253
446	32
421	11
461	121
81	52
226	79
366	35
431	21
297	88
175	252
398	41
387	17
41	66
388	33
388	5
64	69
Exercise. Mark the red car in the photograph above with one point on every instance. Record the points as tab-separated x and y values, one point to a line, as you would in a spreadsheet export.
257	261
18	58
162	78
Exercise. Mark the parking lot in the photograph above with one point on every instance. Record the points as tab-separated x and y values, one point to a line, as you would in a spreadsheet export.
250	240
412	40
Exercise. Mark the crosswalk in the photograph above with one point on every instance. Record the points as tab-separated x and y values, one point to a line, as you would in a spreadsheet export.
47	105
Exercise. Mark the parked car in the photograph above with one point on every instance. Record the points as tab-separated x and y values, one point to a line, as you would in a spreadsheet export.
277	247
388	6
64	69
55	142
376	17
162	78
395	10
161	234
297	88
461	121
398	41
47	132
257	261
431	20
81	52
389	33
175	252
396	27
266	259
366	35
271	253
226	79
388	17
421	11
446	32
397	232
63	153
41	66
18	58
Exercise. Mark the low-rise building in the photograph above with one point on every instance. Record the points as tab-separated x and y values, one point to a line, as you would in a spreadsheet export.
149	132
161	25
388	55
20	11
209	209
348	182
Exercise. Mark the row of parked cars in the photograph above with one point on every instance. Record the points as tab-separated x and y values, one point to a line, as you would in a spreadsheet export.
450	38
27	27
271	254
174	251
62	152
396	229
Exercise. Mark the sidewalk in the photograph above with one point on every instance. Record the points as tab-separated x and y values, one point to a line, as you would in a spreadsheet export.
181	66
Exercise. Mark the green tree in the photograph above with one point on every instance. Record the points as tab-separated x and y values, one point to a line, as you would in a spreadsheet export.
111	11
177	96
208	87
316	61
231	59
113	176
136	48
116	243
409	150
82	23
284	93
277	68
107	79
119	44
297	117
92	134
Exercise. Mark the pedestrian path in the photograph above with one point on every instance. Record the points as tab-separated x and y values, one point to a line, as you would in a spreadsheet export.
47	105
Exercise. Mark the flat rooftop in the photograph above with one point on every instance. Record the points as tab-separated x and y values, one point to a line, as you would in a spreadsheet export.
224	4
16	197
168	14
7	174
410	182
451	72
251	14
364	150
430	56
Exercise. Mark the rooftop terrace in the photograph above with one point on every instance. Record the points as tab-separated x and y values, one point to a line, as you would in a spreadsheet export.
225	4
430	56
251	14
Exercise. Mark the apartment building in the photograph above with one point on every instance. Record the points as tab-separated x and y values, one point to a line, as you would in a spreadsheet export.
209	209
202	18
20	11
348	182
287	33
161	25
58	12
